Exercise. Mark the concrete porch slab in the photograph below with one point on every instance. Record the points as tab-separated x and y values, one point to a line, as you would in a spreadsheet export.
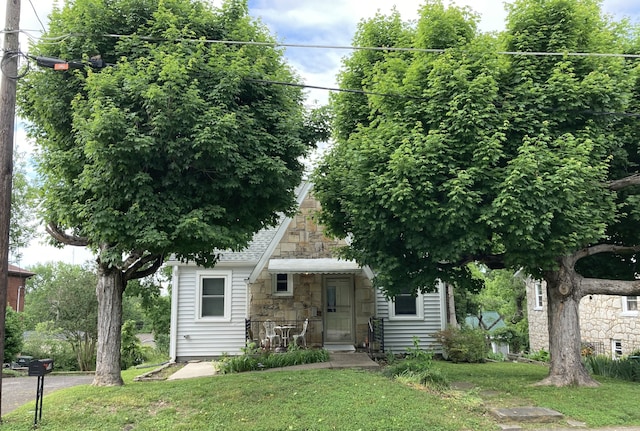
527	414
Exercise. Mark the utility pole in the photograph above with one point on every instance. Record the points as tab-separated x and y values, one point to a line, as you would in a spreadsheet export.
8	77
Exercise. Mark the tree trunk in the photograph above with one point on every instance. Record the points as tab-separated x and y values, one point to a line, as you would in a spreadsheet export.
563	299
109	292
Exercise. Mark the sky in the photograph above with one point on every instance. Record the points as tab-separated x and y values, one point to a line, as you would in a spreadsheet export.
309	22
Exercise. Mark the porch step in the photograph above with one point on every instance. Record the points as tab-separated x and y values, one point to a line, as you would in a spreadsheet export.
339	347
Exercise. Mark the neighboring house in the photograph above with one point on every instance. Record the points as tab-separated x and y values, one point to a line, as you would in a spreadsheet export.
287	274
490	321
16	289
609	324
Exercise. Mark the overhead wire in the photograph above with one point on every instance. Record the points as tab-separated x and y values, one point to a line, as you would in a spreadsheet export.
342	47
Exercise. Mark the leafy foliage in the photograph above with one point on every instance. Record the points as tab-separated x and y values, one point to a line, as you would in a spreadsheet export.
64	295
624	369
464	344
13	340
501	159
253	360
131	352
417	366
199	144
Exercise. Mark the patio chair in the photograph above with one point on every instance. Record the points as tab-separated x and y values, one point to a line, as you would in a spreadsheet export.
301	335
270	333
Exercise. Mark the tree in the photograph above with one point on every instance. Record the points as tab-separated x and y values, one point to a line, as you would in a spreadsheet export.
182	147
514	161
22	227
64	295
12	335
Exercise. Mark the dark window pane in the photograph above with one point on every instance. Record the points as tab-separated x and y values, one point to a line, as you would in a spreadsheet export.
212	307
212	286
406	305
282	283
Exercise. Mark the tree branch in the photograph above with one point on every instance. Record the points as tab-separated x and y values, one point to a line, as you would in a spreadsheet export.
600	286
493	261
631	180
604	248
65	238
138	269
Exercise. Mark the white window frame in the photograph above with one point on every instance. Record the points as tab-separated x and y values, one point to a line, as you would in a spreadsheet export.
625	306
227	276
274	284
616	349
419	310
538	295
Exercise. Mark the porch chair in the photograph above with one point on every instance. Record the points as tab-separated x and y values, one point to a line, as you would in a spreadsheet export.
301	335
270	333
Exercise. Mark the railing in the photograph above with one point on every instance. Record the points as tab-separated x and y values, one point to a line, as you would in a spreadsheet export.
592	348
376	335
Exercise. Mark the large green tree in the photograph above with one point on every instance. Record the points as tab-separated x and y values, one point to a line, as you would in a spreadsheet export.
178	148
492	151
64	296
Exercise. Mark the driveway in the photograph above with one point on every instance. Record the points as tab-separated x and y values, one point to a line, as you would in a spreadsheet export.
17	391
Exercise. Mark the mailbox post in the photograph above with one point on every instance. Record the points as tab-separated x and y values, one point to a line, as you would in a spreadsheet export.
39	368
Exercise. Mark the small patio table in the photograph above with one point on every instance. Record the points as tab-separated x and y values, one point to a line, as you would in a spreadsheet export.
284	332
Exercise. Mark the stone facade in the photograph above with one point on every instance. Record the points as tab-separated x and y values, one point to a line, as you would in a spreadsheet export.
604	323
305	239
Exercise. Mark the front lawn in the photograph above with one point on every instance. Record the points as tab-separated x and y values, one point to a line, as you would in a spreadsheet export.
325	400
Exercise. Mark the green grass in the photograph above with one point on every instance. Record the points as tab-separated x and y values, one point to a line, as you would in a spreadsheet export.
324	400
614	402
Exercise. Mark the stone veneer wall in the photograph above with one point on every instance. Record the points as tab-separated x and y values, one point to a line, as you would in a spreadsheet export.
305	239
601	321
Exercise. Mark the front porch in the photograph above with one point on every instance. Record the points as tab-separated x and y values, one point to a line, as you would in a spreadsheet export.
255	333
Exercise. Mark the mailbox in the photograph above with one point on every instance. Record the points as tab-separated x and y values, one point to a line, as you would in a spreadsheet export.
40	367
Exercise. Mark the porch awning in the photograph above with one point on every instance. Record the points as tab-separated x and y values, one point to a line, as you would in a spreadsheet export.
315	266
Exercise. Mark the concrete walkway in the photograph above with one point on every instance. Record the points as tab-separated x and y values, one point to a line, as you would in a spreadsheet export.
337	360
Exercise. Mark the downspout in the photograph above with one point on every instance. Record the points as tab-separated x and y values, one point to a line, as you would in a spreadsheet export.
18	300
173	336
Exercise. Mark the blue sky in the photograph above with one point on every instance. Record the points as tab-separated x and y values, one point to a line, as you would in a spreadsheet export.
314	22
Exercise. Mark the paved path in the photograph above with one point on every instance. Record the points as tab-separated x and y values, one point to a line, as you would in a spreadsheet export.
17	391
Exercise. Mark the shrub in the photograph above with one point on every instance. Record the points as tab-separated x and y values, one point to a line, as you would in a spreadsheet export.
464	344
47	342
131	351
417	367
13	335
541	355
252	359
623	369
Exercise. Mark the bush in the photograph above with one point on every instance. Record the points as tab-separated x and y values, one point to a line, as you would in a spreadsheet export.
13	335
252	359
47	342
131	351
541	355
464	344
417	367
623	369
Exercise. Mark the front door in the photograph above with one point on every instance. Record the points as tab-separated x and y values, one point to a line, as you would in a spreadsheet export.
338	310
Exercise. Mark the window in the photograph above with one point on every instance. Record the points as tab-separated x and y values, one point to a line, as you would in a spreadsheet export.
630	305
616	349
406	306
537	286
214	296
283	284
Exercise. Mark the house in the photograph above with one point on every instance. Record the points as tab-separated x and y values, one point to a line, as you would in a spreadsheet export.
287	274
16	281
609	324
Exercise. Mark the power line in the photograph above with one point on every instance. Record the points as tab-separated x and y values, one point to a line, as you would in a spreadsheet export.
347	47
37	17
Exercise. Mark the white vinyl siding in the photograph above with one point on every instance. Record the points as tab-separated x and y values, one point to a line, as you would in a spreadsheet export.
399	331
210	336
